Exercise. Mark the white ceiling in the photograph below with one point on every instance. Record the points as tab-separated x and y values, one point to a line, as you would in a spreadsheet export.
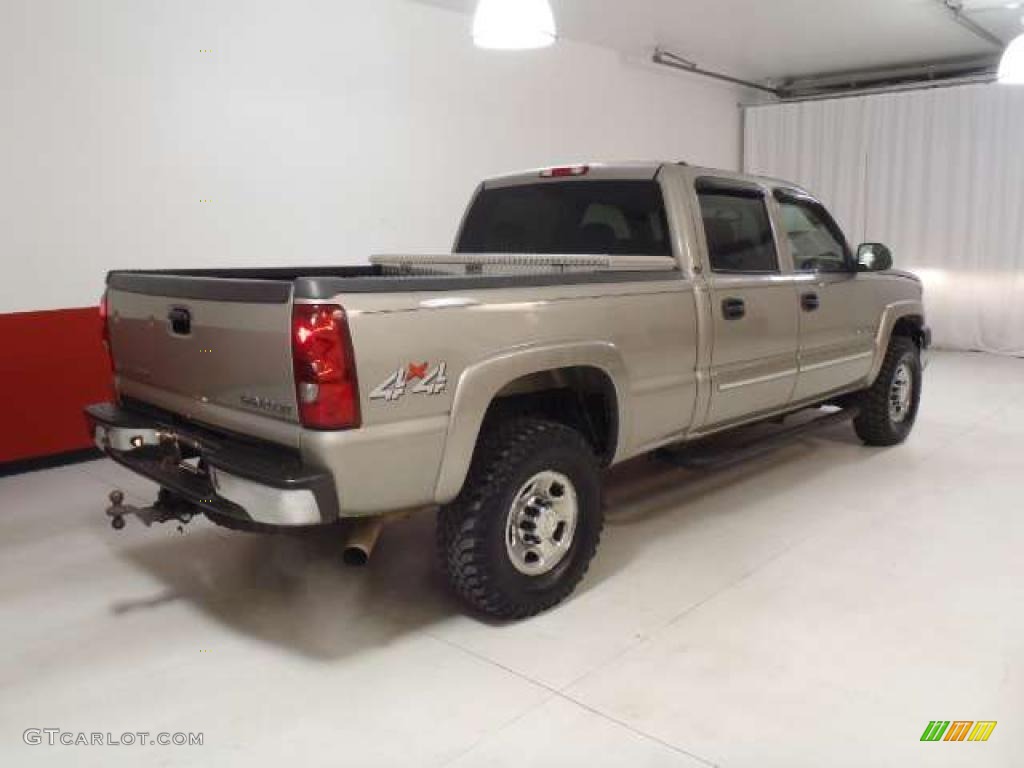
782	38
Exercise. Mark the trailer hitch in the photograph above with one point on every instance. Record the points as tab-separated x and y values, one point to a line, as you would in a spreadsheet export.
167	507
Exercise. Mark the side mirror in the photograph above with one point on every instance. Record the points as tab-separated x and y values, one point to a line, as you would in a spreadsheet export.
873	257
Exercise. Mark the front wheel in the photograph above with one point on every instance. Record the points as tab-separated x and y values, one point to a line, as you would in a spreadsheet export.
888	409
521	534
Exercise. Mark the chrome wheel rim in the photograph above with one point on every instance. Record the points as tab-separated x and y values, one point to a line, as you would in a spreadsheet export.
542	523
900	393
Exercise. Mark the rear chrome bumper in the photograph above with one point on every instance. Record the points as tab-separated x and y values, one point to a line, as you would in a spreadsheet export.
249	482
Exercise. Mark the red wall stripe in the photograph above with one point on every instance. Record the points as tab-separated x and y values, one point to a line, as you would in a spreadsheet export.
52	364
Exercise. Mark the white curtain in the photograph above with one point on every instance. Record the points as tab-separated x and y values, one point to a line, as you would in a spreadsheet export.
938	175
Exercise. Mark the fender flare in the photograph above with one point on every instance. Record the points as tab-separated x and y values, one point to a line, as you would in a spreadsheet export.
480	383
890	316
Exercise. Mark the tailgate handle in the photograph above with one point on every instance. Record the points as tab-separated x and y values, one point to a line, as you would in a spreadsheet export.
181	321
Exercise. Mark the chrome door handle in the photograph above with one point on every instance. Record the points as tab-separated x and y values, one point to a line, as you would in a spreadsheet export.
733	308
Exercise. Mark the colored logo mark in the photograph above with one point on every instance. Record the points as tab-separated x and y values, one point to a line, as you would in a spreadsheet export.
958	730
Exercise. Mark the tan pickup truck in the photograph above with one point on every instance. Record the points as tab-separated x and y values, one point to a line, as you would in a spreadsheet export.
589	314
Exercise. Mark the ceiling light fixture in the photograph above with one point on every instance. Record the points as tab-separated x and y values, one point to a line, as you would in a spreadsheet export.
1011	68
514	24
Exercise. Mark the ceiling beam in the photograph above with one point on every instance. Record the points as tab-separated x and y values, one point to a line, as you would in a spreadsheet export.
669	59
930	74
959	15
883	77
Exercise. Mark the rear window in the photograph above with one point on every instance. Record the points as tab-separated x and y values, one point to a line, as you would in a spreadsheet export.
619	218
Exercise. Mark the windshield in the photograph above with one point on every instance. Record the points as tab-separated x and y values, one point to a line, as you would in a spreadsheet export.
620	218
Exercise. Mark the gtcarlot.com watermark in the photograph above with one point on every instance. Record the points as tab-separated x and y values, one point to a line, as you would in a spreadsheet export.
55	736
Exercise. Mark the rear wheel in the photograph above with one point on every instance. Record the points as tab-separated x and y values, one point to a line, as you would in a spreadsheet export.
889	408
522	533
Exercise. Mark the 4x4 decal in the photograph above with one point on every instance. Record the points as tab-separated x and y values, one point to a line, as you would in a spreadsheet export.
429	381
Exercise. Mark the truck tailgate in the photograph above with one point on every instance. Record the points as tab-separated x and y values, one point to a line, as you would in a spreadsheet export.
216	350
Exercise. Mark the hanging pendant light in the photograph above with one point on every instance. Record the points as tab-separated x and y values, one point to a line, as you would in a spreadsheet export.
1011	68
514	24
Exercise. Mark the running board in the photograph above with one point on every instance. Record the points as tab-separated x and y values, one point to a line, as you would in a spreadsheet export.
705	455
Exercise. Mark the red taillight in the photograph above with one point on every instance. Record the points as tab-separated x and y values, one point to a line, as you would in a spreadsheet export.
561	173
105	327
325	372
104	316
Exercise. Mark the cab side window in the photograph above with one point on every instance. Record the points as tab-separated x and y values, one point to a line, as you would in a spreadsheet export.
738	230
815	239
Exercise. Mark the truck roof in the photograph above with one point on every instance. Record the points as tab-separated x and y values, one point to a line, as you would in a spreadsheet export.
628	171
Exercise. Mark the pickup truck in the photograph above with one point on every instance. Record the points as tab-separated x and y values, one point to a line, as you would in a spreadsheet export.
589	314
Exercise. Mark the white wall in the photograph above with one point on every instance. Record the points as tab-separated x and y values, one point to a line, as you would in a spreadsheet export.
938	175
321	132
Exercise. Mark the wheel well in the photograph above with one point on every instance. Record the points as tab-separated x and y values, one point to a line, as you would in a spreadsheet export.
911	326
580	397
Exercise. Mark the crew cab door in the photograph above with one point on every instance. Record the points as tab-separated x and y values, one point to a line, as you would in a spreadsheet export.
754	318
837	327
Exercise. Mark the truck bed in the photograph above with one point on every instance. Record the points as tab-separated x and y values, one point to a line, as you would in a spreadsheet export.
399	274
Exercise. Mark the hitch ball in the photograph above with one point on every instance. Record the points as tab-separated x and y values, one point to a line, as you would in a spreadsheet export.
116	510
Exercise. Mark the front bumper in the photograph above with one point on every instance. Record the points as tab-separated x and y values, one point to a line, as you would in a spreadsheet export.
231	477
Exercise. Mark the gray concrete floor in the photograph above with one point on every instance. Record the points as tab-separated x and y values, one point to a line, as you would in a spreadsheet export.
815	607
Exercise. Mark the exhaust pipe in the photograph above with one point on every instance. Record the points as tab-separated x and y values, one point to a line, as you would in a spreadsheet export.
361	541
